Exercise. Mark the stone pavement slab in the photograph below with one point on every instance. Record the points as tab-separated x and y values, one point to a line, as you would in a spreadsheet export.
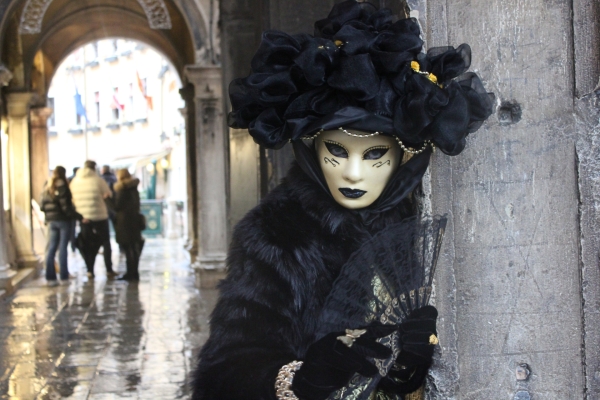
106	339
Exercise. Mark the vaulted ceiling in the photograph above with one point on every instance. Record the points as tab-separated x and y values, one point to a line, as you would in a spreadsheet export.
39	34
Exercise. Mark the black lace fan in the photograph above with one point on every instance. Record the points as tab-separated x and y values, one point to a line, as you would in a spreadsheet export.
387	278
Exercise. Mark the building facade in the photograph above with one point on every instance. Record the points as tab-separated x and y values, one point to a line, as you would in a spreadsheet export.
117	102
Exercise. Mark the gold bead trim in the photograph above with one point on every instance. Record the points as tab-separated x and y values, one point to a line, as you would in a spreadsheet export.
413	151
312	137
357	134
283	382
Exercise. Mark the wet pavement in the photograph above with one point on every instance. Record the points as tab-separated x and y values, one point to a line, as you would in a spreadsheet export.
106	339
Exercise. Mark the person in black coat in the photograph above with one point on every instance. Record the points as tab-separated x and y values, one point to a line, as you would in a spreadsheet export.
363	108
128	226
58	208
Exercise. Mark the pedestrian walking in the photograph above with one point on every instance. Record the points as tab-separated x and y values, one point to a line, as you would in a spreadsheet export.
58	208
129	222
110	178
90	192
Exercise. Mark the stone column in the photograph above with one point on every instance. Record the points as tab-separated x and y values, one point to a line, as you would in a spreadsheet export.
211	173
189	113
40	164
20	177
508	287
5	272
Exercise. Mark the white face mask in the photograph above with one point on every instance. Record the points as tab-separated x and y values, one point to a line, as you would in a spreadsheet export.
356	169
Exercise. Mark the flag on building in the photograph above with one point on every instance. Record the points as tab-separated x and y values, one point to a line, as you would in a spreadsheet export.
143	89
79	108
115	103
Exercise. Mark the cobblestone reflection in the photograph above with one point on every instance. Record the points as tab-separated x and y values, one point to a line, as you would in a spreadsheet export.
104	339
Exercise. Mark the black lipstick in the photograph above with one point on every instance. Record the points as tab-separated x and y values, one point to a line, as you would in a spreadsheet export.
352	193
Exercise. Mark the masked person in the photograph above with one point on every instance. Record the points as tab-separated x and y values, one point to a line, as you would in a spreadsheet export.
363	108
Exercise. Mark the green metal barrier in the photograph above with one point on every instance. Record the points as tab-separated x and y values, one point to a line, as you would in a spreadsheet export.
152	210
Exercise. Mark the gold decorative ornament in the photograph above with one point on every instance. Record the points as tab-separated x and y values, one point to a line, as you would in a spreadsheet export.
357	134
338	43
283	382
414	65
351	335
413	151
433	340
310	137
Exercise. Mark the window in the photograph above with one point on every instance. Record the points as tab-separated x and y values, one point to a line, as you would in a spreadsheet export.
129	106
116	105
97	107
51	118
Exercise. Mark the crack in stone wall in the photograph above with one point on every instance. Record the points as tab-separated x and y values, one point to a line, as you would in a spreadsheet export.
588	168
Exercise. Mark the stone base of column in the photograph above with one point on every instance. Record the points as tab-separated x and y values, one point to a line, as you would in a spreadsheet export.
6	275
209	271
30	261
191	246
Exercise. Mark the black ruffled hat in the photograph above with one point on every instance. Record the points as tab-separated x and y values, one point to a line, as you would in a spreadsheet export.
362	69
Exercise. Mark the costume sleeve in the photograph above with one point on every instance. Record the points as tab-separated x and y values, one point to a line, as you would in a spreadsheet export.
252	325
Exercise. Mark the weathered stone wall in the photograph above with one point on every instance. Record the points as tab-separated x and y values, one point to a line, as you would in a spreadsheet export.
511	293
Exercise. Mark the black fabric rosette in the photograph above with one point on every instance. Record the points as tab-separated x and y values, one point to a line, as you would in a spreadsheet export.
362	69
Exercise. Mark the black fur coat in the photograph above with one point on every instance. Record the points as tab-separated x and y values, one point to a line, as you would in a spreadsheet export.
284	256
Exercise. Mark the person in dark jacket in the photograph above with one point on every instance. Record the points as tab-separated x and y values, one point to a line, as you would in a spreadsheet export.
58	208
108	177
128	226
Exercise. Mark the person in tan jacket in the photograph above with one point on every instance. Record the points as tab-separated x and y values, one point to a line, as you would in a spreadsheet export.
89	194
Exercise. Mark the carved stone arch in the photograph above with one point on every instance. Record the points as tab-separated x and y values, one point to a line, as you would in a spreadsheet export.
157	13
33	15
34	11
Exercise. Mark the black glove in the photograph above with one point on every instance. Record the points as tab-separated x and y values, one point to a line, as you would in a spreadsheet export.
416	354
329	364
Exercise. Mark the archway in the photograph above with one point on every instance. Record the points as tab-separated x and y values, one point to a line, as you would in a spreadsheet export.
117	102
38	34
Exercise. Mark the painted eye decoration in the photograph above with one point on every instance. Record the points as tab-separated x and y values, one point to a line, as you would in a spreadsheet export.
336	149
375	153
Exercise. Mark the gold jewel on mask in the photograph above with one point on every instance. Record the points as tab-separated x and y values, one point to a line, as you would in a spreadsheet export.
413	151
351	335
